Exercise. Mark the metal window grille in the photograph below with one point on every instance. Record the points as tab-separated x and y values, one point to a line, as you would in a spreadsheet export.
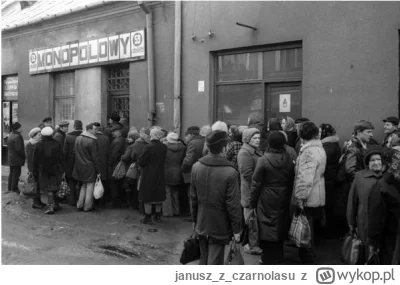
121	106
64	96
118	79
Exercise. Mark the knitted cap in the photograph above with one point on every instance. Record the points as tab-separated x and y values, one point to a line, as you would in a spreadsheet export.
276	139
34	131
216	137
205	130
219	125
156	134
172	137
47	131
371	150
248	134
15	126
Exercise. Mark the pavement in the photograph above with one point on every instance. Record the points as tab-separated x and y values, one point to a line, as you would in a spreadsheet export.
116	233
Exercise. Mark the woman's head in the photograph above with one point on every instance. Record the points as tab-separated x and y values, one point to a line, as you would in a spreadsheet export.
274	125
35	134
287	124
308	131
251	136
276	140
326	130
133	135
373	158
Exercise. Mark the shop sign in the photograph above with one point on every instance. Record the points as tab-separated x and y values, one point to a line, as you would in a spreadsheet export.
123	47
10	86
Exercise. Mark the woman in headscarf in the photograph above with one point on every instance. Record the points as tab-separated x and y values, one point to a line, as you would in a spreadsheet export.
152	180
289	128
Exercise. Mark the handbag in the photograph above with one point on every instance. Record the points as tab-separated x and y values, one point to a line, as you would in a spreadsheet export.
250	233
353	250
98	188
30	186
234	256
119	171
300	232
133	171
191	249
64	190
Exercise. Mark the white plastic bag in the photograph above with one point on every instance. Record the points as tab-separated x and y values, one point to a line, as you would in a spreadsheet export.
98	188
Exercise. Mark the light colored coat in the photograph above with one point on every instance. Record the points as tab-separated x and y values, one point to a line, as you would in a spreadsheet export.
309	184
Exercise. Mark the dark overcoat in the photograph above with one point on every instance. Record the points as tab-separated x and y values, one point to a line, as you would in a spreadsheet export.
270	194
173	162
194	152
103	144
48	164
152	180
60	137
68	152
117	149
16	149
29	156
87	158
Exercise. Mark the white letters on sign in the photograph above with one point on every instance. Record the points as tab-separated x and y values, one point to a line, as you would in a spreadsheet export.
124	47
284	103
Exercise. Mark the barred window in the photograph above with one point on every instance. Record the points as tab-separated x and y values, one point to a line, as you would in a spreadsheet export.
118	89
118	78
64	96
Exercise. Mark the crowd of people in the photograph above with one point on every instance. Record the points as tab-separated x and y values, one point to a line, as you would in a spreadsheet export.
217	175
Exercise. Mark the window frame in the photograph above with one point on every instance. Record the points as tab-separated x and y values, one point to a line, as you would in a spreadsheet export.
63	97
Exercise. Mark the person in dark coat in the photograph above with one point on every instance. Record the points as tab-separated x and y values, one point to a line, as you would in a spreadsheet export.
35	136
152	180
87	166
173	174
48	168
330	143
194	151
16	156
131	193
117	149
60	134
270	194
215	199
103	144
364	181
46	122
289	127
113	124
69	160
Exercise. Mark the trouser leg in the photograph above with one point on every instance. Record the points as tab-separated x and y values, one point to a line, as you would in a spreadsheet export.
15	173
89	196
135	195
115	189
216	254
272	252
167	204
175	200
82	196
72	197
50	203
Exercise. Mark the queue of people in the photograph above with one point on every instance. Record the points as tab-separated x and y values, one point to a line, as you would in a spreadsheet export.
219	174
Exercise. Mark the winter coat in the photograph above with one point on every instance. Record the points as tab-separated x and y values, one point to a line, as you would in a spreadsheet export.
194	152
173	163
215	199
333	153
47	164
29	155
127	156
103	144
309	184
354	159
16	149
270	193
68	152
357	205
110	128
60	137
233	151
138	148
247	160
291	138
87	158
384	217
152	180
117	149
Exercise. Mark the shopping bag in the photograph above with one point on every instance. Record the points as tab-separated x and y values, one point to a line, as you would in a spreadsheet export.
253	234
63	189
119	171
133	171
98	188
191	249
353	250
300	232
30	186
234	256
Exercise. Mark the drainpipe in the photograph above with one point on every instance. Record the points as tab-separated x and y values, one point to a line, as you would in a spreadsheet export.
150	63
177	67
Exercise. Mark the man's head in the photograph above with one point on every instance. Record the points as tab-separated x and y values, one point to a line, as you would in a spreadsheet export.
217	141
191	132
299	121
390	125
91	128
63	126
16	127
78	126
114	118
48	122
363	130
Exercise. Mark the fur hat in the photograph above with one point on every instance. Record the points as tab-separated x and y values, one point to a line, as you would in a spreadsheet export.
47	131
193	130
219	125
15	126
276	139
34	131
216	137
248	134
371	150
172	137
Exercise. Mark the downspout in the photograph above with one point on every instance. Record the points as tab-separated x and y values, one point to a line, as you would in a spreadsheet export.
177	67
150	63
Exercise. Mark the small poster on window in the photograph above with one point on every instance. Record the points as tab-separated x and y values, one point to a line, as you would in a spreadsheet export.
14	112
284	103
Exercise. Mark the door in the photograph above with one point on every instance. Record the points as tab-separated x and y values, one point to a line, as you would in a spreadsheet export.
283	100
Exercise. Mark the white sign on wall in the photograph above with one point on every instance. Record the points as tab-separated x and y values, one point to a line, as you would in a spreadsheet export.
124	47
284	103
201	86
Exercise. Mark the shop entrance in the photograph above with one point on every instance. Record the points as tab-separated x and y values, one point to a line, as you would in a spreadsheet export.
282	100
118	90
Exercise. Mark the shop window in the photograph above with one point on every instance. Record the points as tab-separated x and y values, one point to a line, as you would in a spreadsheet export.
118	89
283	63
238	67
10	104
64	98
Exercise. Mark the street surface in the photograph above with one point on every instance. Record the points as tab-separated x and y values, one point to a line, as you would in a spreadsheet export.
104	237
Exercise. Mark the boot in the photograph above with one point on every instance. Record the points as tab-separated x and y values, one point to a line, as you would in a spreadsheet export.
128	197
57	206
50	201
37	204
146	220
157	217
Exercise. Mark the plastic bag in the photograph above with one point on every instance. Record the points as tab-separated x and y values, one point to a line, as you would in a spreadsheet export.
300	232
30	186
191	250
64	190
133	171
119	171
353	250
234	256
98	188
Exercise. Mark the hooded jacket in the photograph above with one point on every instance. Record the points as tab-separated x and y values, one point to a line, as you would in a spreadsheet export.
68	152
87	158
270	193
173	161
